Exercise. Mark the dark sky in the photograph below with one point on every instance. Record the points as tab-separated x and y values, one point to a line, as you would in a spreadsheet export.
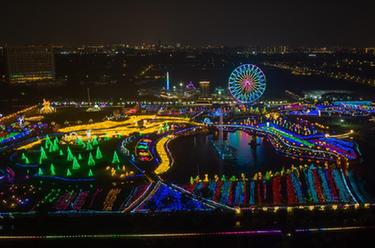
232	22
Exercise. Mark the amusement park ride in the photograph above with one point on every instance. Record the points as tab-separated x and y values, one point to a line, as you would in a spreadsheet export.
246	83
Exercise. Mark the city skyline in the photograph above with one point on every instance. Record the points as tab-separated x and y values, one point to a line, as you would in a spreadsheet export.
239	23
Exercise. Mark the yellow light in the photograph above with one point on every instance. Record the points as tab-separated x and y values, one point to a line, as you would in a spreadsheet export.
237	211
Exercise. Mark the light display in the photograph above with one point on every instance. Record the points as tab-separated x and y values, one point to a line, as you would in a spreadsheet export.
84	159
115	159
247	83
98	153
47	108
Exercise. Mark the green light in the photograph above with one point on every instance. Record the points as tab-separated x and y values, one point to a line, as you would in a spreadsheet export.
68	173
90	173
95	141
40	172
70	156
52	169
91	161
43	155
98	154
89	146
115	159
76	165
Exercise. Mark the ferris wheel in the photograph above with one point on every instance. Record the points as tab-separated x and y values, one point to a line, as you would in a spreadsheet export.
247	83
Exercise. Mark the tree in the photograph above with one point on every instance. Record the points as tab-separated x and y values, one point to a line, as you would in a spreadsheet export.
95	141
91	161
40	172
115	159
68	173
76	165
89	146
55	146
90	173
52	169
70	156
98	154
25	159
43	155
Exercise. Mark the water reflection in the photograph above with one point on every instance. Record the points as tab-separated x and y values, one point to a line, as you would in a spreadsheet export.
195	155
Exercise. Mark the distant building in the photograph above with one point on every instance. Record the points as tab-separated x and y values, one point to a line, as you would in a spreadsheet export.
30	64
370	50
205	89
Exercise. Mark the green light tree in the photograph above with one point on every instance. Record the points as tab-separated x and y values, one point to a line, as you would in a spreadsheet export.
191	180
42	155
61	152
76	165
79	156
90	173
70	156
115	159
40	172
98	154
223	179
95	141
48	142
25	159
91	161
68	173
52	170
50	148
80	142
89	146
55	145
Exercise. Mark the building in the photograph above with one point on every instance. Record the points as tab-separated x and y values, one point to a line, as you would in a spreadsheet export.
30	64
205	89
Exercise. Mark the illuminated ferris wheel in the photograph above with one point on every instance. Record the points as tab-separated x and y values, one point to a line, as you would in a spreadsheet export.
247	83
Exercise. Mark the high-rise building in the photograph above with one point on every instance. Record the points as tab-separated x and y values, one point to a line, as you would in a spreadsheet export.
204	87
167	83
30	64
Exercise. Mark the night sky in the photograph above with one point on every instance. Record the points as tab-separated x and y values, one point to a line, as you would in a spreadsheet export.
232	23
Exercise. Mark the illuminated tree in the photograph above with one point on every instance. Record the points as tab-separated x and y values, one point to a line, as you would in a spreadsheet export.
40	172
80	142
223	179
43	155
76	165
115	159
52	169
50	148
89	146
90	173
98	154
61	152
91	161
95	141
191	180
70	156
25	159
79	156
68	173
48	142
55	146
